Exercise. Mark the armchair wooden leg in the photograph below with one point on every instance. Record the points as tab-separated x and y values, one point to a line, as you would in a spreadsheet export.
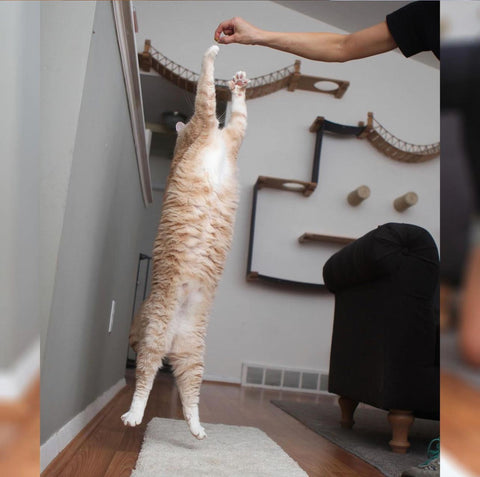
347	406
400	421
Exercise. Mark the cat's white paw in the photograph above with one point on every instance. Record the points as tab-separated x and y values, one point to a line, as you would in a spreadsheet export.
197	430
239	81
193	421
132	418
212	51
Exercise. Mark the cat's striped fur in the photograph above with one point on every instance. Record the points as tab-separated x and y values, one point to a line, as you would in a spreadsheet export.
193	239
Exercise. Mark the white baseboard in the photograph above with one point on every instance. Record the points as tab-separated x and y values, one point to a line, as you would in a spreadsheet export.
16	380
221	379
60	439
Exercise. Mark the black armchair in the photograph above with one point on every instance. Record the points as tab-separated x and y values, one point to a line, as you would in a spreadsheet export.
385	344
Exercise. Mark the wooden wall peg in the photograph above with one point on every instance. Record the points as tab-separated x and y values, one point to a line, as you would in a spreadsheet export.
405	201
358	195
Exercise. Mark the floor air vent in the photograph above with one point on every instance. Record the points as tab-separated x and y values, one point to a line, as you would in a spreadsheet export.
271	377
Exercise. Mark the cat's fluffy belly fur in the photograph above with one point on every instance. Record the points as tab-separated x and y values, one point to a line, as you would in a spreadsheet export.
214	163
193	239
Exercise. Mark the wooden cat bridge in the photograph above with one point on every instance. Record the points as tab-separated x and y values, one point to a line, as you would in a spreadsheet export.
288	77
376	135
394	147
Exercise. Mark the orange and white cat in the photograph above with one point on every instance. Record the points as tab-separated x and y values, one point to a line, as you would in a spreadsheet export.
193	239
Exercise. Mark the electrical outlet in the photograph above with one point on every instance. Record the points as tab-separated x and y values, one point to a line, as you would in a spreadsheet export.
112	316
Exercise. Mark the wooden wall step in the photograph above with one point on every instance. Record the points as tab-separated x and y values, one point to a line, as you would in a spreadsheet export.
312	237
290	185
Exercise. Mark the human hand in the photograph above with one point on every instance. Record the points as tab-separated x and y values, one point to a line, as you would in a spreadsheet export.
237	30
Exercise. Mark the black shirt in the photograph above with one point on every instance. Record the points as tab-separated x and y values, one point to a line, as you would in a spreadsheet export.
416	27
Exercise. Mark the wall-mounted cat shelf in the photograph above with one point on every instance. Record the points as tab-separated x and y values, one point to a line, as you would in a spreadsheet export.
357	196
402	203
378	136
306	188
394	147
311	237
289	77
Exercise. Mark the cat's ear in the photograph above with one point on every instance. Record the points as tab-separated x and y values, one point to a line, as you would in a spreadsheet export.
179	126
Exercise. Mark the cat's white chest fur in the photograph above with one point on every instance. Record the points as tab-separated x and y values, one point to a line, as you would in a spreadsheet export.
215	164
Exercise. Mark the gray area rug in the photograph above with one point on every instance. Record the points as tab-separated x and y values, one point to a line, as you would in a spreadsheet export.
452	362
169	450
369	437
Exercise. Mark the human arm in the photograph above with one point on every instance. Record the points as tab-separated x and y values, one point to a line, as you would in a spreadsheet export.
320	46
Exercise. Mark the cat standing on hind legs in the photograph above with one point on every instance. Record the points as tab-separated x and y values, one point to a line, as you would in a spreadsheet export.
193	239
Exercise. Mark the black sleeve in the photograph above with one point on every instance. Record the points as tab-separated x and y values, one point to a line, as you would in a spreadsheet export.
416	27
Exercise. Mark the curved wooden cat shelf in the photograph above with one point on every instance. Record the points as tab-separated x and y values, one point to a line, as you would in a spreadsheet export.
396	148
288	77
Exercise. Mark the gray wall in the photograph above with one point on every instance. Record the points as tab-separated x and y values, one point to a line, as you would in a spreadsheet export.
19	212
98	252
66	31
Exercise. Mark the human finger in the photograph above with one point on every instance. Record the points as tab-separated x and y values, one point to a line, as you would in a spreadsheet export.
227	27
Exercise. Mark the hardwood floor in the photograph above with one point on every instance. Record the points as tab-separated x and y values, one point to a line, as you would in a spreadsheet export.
20	435
460	421
107	448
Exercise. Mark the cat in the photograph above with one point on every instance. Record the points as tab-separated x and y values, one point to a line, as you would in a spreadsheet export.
190	249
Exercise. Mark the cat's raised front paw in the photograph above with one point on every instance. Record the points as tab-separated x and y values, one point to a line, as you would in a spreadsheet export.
132	418
212	51
239	81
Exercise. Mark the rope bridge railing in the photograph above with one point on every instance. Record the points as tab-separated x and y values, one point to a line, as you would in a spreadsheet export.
403	145
396	148
190	75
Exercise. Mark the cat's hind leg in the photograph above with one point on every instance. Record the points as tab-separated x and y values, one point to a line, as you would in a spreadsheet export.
151	350
138	325
187	362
